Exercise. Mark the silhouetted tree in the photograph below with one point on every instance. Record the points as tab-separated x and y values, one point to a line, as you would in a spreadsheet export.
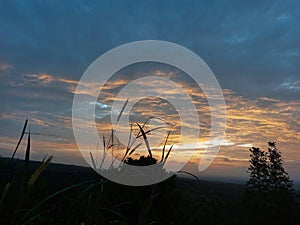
269	192
267	172
279	179
258	170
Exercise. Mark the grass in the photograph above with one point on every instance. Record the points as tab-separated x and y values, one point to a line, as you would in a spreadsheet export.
91	199
31	194
131	146
25	181
24	189
26	210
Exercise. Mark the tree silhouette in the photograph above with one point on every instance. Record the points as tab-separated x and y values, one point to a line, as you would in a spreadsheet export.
258	170
269	192
279	179
267	172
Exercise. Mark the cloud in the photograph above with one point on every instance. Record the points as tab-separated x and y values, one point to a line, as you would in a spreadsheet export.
43	79
268	99
99	105
4	66
291	85
245	145
251	44
253	51
203	145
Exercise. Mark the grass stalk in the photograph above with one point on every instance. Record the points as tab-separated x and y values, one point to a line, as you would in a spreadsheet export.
19	142
27	153
145	140
164	147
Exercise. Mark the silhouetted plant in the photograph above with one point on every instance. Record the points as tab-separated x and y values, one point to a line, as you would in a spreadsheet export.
18	192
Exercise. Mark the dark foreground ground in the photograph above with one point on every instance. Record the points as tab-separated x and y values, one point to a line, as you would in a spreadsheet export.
65	194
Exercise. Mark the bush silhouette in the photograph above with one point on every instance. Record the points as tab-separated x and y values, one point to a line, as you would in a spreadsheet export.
142	161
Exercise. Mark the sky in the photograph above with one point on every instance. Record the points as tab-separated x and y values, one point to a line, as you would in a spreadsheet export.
252	47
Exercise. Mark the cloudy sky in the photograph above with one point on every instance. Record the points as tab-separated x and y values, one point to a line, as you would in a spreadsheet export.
253	48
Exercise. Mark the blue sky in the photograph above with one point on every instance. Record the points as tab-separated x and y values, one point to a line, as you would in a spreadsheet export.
253	48
259	38
248	41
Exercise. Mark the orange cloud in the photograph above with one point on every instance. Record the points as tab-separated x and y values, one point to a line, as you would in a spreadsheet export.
249	121
42	78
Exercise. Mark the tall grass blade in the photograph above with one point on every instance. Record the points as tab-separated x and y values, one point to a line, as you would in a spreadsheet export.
112	162
5	191
181	171
122	110
38	172
136	137
33	209
170	149
144	124
27	153
111	139
45	157
97	151
93	160
129	138
128	145
135	148
109	147
163	150
103	138
145	140
147	208
104	152
19	142
149	131
31	219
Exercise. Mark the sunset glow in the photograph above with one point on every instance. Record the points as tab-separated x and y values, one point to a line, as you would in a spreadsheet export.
255	59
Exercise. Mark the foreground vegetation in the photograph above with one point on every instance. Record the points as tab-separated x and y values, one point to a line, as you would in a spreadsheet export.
74	195
45	193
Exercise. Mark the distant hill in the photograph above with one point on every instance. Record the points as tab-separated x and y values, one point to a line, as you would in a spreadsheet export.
62	175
